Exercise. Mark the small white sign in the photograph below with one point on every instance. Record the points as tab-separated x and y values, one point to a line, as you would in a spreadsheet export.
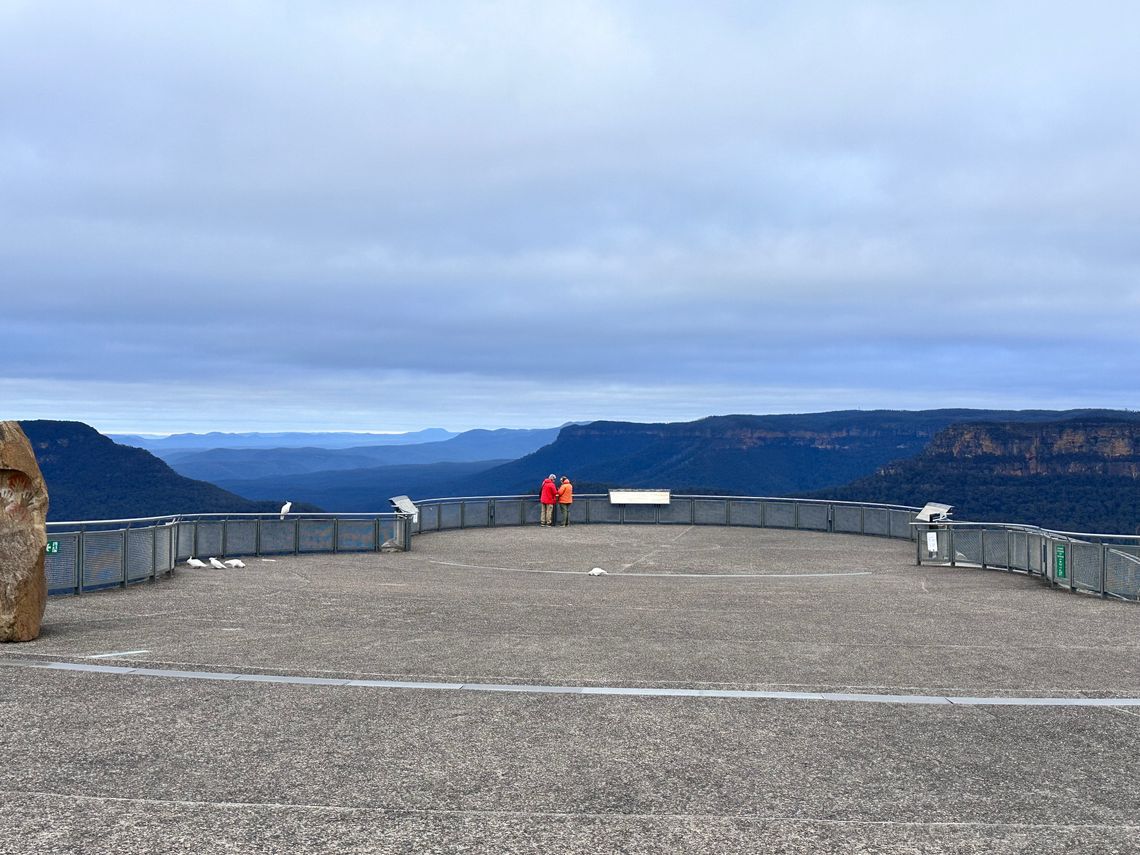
639	497
932	542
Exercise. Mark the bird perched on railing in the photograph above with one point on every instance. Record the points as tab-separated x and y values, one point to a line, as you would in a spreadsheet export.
285	509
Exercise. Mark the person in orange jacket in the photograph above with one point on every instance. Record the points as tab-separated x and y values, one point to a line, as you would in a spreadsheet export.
548	496
565	499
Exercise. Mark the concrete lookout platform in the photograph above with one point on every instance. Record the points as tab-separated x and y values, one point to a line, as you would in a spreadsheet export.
719	690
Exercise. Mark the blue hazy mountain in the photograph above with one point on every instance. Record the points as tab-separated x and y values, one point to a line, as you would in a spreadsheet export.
362	489
89	477
741	454
222	465
166	445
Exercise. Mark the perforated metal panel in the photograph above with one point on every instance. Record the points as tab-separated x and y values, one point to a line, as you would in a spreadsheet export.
996	548
1084	565
509	512
779	515
1018	559
277	536
140	554
968	546
640	513
676	512
102	559
533	511
877	521
209	539
710	511
601	511
900	524
241	537
449	515
185	540
1122	572
1036	550
355	535
744	513
163	553
60	567
476	513
429	517
848	519
813	517
316	536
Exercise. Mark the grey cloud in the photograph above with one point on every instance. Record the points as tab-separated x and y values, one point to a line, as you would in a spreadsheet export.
790	198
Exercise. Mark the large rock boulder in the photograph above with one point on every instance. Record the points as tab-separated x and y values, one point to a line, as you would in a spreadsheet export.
23	537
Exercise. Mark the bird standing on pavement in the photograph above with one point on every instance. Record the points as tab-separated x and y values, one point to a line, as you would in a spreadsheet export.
216	564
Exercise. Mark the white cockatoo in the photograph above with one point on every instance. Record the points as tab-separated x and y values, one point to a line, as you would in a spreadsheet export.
216	564
235	562
194	562
285	509
598	571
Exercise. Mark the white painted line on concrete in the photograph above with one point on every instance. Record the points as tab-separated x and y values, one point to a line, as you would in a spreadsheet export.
655	575
633	691
120	653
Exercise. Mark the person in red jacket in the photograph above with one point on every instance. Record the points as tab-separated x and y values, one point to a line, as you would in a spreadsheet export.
565	499
548	496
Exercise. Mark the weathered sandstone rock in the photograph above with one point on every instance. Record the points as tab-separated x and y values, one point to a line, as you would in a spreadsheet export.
23	537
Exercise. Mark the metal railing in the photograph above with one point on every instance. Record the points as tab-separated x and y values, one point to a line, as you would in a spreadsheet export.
753	511
94	554
1104	564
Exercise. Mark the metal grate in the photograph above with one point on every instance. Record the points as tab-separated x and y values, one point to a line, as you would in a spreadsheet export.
140	554
241	537
60	567
813	517
847	519
355	535
102	559
745	513
779	515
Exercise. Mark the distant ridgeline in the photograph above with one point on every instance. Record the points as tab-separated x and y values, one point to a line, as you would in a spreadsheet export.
1075	469
1078	474
91	477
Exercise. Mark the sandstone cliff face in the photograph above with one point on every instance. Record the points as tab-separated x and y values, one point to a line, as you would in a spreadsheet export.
1058	448
23	513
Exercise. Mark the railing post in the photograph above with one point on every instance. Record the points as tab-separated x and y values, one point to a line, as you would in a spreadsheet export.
123	559
1103	569
950	544
336	534
80	549
982	547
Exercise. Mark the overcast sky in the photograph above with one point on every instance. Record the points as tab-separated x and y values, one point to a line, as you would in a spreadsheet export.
338	215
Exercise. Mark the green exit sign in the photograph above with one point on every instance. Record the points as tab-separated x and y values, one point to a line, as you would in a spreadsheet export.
1059	569
52	547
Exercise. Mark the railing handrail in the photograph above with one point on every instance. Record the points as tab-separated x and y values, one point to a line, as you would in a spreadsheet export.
174	518
1027	527
685	496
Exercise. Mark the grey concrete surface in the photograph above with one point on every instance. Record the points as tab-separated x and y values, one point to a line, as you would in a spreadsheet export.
96	762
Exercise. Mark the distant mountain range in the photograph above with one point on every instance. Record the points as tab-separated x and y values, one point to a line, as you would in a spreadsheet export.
741	454
89	477
164	445
1064	469
221	465
1074	475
